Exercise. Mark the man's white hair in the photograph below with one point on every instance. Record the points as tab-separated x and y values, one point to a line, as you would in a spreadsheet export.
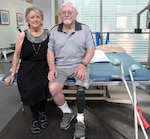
68	3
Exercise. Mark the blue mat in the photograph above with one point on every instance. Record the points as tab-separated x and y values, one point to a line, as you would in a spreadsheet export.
103	71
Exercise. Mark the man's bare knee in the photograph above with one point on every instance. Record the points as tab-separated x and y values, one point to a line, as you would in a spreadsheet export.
55	88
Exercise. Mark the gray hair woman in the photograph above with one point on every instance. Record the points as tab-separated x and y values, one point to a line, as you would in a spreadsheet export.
34	8
31	49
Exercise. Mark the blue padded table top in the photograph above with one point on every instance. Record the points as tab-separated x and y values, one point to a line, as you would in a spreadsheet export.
103	71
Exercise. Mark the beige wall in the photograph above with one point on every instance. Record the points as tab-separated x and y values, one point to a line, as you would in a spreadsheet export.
47	6
9	33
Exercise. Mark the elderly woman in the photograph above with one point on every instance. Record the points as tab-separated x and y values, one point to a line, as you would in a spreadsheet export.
31	48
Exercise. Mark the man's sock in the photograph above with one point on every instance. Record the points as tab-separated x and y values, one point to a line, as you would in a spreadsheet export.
65	108
80	117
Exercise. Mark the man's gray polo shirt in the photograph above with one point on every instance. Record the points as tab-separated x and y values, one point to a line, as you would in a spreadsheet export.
70	49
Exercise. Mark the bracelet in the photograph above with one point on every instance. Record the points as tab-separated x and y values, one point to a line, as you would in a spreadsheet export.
13	74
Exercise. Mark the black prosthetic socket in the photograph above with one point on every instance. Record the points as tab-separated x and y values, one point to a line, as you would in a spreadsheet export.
80	99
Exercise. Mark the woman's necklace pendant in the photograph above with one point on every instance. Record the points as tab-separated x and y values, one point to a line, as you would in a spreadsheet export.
38	49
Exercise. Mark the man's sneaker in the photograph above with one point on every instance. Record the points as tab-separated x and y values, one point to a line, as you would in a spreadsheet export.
36	128
66	120
43	120
79	131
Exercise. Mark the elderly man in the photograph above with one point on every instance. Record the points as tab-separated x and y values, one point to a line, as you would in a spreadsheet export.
70	49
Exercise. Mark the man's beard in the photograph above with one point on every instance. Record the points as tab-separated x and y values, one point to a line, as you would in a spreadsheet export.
67	22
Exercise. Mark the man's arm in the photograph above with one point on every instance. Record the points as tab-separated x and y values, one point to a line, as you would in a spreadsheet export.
89	55
51	63
50	60
80	72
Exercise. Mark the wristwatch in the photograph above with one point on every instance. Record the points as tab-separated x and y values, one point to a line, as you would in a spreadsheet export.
84	64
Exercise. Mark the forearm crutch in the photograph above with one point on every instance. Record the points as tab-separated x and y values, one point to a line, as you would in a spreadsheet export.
132	69
116	62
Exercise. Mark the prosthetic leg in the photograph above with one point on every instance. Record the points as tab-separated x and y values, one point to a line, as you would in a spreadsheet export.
80	126
80	99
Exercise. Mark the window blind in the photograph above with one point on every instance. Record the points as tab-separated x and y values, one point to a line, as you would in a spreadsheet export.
119	18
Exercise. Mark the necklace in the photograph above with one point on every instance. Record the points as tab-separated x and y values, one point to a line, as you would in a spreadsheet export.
34	40
38	49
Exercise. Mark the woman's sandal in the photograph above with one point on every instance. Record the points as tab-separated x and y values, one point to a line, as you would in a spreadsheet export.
36	128
43	120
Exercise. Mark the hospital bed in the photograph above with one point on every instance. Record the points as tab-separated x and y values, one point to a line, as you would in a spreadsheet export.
109	72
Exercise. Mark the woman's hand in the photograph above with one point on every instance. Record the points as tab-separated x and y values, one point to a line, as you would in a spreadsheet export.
9	80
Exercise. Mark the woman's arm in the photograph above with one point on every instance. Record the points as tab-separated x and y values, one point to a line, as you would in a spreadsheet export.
16	58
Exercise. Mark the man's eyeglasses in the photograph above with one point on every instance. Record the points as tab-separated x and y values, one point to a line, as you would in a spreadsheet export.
67	12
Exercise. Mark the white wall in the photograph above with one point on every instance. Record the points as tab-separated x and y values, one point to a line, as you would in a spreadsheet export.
47	6
9	33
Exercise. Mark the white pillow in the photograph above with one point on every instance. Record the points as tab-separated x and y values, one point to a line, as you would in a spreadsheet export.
99	56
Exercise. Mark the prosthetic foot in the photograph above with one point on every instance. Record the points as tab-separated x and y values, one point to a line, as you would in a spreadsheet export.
79	131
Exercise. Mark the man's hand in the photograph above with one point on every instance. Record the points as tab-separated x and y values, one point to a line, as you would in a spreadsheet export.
52	75
80	72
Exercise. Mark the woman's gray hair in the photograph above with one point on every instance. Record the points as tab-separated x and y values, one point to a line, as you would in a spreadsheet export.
33	8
